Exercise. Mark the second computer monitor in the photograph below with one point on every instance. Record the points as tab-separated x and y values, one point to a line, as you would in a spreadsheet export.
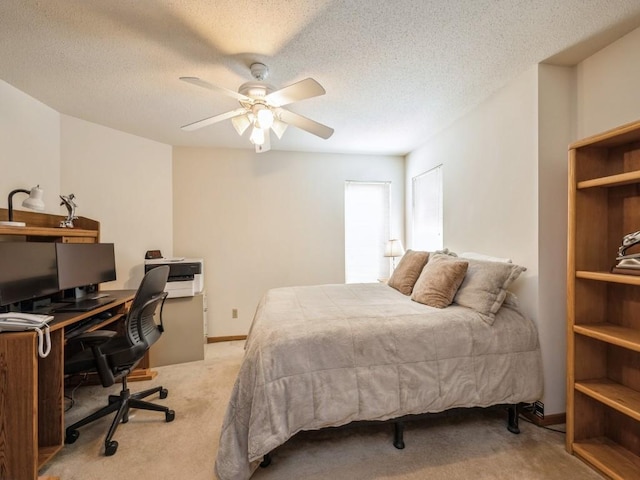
82	264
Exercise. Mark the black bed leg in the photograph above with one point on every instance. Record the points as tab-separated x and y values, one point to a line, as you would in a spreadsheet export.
512	424
266	461
398	434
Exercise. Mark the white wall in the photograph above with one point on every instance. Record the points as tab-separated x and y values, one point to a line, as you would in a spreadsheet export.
121	180
608	87
490	175
556	113
124	182
493	203
29	148
267	220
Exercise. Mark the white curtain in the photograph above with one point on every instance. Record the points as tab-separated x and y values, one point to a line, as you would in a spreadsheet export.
427	210
367	230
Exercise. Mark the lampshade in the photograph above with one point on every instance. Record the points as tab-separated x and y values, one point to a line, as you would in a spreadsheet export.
241	123
264	116
257	136
394	248
278	127
33	202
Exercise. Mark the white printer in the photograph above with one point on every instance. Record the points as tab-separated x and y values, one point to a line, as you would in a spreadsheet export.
186	275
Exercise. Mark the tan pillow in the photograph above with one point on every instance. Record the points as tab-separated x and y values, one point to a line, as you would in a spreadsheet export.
439	281
408	270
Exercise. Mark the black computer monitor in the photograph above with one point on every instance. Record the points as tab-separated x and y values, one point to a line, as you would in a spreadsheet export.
27	271
84	264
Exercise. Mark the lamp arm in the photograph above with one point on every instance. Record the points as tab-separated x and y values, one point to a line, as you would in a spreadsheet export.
10	200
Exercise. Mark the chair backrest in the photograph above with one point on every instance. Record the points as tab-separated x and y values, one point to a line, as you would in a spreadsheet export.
140	324
141	328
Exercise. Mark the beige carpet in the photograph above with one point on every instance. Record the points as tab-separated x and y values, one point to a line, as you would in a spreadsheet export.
471	445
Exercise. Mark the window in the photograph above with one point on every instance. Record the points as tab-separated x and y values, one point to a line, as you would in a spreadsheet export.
366	230
427	210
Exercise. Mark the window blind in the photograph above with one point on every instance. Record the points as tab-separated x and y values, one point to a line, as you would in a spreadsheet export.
367	230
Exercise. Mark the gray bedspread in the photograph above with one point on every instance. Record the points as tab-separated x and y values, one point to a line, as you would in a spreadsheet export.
328	355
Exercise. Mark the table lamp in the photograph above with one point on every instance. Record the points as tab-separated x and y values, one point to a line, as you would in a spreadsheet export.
33	202
394	249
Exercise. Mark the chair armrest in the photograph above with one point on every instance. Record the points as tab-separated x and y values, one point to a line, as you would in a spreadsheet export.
104	372
85	340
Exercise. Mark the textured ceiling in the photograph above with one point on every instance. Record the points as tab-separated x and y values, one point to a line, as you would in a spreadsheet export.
395	72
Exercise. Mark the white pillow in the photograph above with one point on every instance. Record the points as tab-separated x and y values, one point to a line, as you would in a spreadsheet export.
482	256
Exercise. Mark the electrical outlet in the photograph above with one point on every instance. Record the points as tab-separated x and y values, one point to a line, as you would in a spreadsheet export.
538	409
234	313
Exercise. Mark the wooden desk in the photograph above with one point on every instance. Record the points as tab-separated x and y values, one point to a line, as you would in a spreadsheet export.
32	392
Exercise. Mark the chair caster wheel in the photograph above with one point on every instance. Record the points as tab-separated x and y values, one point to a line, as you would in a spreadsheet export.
110	448
170	416
163	393
71	436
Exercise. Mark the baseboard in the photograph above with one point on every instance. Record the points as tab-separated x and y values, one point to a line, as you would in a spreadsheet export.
547	420
229	338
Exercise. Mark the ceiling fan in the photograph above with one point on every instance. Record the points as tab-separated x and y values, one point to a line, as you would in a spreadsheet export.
261	108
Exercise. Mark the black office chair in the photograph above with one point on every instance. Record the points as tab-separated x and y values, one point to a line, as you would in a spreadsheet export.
115	357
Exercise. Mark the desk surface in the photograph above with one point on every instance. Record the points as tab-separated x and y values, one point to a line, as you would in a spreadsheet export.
62	319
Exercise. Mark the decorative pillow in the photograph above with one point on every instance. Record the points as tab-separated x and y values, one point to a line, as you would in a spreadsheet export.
485	286
408	270
439	281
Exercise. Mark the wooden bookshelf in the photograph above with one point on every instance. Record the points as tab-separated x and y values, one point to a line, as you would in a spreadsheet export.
603	308
46	227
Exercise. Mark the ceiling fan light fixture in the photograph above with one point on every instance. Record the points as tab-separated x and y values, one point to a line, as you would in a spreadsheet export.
278	128
264	116
257	136
241	123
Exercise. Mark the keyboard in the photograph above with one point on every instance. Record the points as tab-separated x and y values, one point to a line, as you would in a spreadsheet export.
48	309
86	304
80	327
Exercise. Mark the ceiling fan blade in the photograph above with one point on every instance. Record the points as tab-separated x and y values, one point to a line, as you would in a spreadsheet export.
211	120
301	90
215	88
305	123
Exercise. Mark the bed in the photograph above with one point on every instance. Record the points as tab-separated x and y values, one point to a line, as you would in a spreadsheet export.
328	355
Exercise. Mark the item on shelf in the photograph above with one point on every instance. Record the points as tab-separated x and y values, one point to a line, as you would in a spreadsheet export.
34	202
631	261
626	271
67	201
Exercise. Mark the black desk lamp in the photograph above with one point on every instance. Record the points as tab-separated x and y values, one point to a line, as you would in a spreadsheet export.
34	202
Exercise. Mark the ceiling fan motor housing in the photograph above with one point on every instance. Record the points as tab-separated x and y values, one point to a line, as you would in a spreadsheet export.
259	71
256	90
